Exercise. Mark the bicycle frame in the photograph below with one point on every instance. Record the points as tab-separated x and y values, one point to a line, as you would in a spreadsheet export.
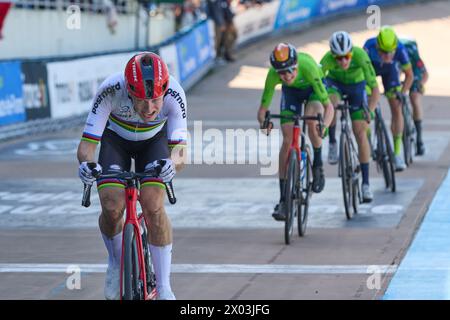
296	144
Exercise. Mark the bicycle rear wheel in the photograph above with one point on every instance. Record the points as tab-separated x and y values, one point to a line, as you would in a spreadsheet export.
346	174
132	289
305	187
291	196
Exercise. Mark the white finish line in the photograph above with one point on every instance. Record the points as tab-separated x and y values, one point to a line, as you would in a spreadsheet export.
207	268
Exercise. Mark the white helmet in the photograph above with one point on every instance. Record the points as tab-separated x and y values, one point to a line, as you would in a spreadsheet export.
340	43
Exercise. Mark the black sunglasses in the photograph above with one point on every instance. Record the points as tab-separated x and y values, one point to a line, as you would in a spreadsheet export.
286	71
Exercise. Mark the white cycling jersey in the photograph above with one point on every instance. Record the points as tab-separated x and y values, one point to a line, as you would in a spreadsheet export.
113	107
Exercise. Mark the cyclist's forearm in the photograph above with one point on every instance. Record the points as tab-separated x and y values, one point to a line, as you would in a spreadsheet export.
178	156
86	151
374	98
261	114
424	77
409	79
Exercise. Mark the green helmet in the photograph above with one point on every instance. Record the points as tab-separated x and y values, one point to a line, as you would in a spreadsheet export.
386	39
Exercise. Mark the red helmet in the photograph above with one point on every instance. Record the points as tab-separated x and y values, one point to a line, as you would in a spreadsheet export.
146	76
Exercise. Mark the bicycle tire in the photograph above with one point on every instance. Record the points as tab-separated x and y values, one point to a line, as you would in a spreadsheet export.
346	174
388	157
407	137
305	192
291	196
149	271
356	196
131	290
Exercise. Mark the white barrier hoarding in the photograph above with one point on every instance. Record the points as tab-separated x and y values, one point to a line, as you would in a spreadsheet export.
73	84
256	21
169	55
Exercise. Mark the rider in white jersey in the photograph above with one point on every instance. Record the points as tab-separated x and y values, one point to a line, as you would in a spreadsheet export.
138	115
114	103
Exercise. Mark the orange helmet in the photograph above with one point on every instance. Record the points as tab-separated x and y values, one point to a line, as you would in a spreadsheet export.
283	57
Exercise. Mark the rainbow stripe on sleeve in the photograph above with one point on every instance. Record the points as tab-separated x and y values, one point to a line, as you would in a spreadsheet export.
89	137
177	143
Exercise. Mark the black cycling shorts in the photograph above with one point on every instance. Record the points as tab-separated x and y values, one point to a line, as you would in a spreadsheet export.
116	154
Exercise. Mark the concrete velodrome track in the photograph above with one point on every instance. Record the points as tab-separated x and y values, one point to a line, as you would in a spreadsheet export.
226	244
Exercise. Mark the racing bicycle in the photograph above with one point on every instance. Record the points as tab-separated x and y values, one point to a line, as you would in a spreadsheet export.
137	278
409	129
382	151
349	169
298	188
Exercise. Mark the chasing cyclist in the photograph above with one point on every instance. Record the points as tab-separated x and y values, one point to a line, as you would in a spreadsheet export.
417	89
387	54
348	70
144	111
301	79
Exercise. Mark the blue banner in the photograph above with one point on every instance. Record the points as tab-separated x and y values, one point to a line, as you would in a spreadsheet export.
194	50
204	44
339	6
11	99
296	11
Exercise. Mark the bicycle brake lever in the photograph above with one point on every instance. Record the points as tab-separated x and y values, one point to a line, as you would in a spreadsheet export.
92	166
267	122
320	124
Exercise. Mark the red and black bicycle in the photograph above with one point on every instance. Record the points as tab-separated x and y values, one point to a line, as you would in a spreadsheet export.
137	279
298	188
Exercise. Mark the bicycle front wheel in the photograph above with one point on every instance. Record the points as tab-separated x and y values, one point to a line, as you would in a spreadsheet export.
291	195
149	273
387	157
346	170
131	289
304	192
408	137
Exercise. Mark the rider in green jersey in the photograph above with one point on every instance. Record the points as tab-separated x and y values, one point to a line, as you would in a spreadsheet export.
417	89
348	70
301	79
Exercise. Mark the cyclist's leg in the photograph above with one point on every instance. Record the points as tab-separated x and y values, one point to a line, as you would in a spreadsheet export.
415	95
152	201
113	156
286	129
335	97
358	99
391	83
314	107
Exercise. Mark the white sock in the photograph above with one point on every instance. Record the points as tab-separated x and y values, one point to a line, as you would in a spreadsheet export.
114	247
162	259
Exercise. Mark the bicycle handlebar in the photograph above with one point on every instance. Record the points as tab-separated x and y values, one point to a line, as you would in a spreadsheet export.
400	97
345	104
294	117
86	201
